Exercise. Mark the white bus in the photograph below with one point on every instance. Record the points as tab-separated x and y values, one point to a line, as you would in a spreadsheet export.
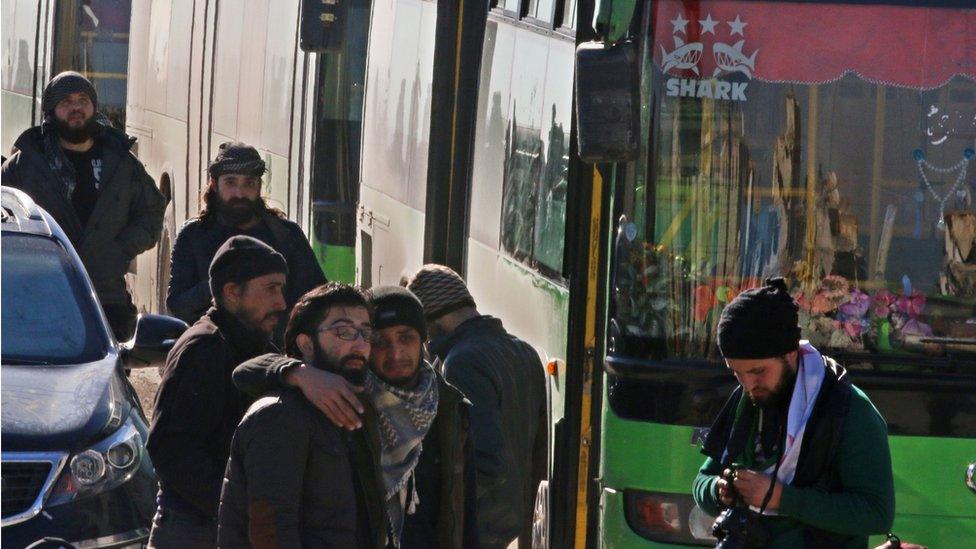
215	71
42	38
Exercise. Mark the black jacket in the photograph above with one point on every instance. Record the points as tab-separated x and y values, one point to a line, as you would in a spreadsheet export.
197	409
188	295
127	217
289	481
445	475
503	378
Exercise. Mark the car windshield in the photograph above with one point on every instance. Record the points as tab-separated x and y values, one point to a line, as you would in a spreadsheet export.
47	317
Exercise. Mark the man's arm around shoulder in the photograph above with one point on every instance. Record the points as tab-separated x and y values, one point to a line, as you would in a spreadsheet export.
330	393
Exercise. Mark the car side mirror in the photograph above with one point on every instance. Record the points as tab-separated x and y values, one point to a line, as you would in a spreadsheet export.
154	338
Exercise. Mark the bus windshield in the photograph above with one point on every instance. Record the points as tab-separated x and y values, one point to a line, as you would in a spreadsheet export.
829	144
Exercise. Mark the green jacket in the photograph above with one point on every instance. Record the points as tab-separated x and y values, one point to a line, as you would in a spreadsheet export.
864	506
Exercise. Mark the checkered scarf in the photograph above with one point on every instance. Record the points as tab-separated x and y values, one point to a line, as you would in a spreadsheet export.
405	417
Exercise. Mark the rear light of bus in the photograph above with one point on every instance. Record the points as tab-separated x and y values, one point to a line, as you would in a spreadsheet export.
667	518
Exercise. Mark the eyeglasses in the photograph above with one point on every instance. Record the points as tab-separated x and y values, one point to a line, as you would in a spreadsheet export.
349	333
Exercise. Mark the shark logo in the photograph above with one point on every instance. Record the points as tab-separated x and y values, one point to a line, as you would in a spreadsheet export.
684	56
731	59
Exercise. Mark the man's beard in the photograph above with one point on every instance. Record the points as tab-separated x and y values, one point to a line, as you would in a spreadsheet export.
324	362
75	135
237	211
781	394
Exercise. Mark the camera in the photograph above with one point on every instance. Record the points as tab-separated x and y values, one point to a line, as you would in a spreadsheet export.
738	526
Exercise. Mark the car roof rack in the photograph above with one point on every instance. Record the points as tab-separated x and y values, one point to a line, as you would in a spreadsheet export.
20	213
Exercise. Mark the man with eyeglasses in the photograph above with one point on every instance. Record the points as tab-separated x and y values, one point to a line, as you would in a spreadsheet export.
414	424
294	479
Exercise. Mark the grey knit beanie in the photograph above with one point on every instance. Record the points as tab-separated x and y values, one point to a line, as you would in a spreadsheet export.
440	289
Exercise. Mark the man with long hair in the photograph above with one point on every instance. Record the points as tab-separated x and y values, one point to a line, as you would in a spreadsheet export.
80	169
232	205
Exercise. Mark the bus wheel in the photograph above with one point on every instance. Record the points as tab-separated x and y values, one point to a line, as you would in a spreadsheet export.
540	517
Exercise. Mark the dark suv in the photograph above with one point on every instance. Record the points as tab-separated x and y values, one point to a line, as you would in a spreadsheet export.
73	432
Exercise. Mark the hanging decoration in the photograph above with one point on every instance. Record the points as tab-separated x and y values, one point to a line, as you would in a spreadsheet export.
922	164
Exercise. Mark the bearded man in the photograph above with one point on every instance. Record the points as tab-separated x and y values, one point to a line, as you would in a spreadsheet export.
232	205
797	444
413	442
294	479
83	173
197	407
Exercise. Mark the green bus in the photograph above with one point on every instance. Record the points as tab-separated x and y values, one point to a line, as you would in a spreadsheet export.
828	142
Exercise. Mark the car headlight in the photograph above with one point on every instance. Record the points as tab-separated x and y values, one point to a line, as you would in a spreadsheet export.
104	466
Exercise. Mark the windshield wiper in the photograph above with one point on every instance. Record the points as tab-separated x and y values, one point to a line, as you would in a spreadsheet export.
24	362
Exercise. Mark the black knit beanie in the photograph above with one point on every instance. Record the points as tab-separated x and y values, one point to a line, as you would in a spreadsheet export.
760	323
242	258
236	157
396	306
63	85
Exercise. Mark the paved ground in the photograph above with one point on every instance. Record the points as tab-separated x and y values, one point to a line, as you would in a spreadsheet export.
145	381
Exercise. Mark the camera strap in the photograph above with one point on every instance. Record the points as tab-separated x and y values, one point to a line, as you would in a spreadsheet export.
774	479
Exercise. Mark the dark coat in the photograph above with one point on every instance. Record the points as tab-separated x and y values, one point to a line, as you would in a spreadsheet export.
447	513
197	409
189	296
504	379
289	481
446	479
127	218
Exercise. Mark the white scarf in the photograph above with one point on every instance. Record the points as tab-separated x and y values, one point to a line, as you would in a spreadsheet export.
810	374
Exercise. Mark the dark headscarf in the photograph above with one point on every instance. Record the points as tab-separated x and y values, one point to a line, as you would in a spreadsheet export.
237	157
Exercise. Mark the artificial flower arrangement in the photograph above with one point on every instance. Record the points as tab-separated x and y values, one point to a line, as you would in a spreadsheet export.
841	316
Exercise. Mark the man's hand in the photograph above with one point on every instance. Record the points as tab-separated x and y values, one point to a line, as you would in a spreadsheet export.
725	495
752	486
330	393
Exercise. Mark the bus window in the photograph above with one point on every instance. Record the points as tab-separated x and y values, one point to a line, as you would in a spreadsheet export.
336	149
541	10
849	174
19	25
511	6
92	37
569	15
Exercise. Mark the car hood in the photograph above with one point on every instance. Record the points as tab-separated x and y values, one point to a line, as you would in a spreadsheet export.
60	408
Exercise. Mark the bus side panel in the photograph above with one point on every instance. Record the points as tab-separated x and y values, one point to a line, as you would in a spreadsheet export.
395	137
20	45
156	114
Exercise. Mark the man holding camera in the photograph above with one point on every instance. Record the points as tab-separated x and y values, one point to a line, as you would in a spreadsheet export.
798	456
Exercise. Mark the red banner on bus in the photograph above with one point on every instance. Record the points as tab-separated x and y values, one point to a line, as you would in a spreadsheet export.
912	47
